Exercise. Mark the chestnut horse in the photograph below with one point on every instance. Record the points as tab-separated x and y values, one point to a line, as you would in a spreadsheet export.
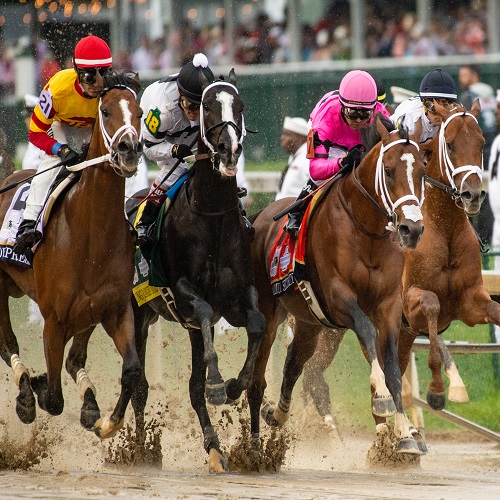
355	262
83	269
442	280
205	250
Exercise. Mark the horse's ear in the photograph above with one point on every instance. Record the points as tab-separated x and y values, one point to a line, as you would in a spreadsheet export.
384	133
476	108
204	81
417	132
232	77
99	80
137	82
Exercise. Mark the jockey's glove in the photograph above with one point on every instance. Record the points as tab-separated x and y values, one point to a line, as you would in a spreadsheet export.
351	159
68	156
181	151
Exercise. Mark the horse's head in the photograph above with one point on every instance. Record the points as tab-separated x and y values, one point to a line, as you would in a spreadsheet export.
399	182
221	123
459	155
119	120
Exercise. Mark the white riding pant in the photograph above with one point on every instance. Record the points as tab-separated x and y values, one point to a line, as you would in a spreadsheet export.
40	184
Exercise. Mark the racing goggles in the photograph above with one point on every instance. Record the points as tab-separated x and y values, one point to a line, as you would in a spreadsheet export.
89	75
354	113
190	106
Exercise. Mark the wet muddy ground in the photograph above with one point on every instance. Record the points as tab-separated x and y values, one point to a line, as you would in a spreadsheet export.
56	458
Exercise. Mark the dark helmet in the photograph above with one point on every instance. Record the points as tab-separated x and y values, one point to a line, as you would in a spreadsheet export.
188	80
438	85
381	94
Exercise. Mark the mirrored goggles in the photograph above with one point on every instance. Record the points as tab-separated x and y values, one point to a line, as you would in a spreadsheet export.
354	113
190	106
88	75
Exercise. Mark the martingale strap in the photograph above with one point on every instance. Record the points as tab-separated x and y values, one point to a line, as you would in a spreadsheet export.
168	297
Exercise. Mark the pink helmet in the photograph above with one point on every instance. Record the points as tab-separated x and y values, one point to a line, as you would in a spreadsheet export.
358	90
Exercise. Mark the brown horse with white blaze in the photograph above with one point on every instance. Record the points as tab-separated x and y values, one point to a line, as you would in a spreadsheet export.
355	260
83	269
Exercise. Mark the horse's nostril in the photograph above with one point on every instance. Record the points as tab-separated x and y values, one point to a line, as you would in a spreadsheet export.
404	230
123	147
466	196
139	147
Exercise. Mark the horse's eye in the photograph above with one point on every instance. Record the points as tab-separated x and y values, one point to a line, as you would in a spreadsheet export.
450	146
205	107
104	113
389	173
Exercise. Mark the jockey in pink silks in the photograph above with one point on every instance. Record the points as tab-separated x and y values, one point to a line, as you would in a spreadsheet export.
334	141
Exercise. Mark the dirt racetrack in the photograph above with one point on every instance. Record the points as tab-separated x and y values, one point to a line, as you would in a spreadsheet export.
56	458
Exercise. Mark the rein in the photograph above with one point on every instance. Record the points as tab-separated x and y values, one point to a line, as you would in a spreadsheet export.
411	211
444	158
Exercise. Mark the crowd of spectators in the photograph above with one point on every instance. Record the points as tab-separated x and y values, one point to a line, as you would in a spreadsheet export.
391	31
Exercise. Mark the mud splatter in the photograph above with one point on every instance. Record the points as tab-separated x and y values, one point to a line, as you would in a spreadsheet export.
383	454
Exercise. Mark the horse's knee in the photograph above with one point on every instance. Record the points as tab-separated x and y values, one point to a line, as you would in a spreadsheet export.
429	303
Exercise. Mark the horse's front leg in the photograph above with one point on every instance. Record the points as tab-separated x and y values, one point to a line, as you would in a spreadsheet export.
388	321
424	309
382	402
75	366
216	460
196	310
255	326
456	390
121	330
9	351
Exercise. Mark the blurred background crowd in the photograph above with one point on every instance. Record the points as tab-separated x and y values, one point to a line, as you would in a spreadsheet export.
392	29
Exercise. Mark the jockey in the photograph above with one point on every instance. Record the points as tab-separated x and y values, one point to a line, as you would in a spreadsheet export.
171	123
67	106
435	86
334	140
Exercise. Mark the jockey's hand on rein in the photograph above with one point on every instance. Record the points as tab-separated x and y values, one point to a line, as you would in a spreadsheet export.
351	159
181	151
68	156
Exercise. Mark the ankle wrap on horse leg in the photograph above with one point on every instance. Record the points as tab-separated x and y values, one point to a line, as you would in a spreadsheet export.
210	439
83	383
18	368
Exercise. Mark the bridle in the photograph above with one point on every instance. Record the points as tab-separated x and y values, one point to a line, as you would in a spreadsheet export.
240	132
445	161
412	212
113	156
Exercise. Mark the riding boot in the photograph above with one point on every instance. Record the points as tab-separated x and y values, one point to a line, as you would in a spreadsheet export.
146	225
295	218
26	237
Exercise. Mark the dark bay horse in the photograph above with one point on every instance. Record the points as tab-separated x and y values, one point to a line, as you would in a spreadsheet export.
355	262
83	269
205	250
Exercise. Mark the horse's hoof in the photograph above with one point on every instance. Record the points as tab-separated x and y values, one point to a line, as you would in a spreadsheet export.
216	394
436	400
255	444
233	392
458	394
25	401
216	461
104	428
383	406
39	384
90	412
420	440
408	445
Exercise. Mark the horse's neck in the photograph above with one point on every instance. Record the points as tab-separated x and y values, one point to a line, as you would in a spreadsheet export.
208	189
100	189
439	205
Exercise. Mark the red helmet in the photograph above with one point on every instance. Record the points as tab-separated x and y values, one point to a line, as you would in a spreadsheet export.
92	52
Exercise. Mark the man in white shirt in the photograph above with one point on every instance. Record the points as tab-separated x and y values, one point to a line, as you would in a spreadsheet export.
293	142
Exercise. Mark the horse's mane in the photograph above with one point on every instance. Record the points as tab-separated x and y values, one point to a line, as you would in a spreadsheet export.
127	78
370	135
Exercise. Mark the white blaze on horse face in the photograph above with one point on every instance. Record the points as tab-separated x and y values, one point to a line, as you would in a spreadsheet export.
226	101
410	160
127	114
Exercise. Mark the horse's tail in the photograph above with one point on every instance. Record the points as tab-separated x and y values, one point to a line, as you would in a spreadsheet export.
7	166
